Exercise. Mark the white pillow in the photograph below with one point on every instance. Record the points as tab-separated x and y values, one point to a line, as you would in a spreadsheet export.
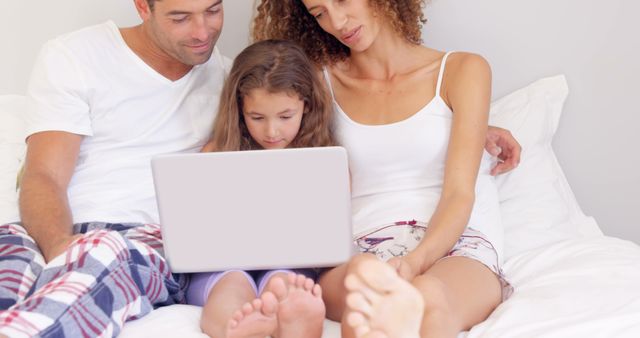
537	205
12	149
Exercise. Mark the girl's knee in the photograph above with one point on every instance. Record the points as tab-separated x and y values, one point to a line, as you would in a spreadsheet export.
237	278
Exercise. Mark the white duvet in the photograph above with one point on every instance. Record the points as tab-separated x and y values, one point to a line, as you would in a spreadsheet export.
588	287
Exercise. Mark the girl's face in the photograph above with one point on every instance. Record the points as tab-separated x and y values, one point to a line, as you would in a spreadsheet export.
273	119
352	22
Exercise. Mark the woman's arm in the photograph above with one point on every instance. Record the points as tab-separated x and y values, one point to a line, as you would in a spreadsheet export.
467	90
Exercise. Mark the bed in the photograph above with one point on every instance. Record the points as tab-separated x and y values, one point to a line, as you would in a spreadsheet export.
570	279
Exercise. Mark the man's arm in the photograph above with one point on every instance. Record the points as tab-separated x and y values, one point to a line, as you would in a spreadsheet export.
44	207
501	144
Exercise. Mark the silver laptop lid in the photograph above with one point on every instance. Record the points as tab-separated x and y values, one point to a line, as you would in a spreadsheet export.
260	209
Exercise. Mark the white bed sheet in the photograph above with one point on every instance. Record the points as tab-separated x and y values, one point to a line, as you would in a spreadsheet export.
184	321
587	287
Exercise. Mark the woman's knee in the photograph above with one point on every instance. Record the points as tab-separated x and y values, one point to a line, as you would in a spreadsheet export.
439	312
435	294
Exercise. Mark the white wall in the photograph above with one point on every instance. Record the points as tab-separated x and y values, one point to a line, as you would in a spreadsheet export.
597	45
26	25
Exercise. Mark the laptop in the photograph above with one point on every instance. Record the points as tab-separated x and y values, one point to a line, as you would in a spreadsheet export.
262	209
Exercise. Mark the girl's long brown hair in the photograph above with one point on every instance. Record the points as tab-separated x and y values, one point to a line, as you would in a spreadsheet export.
276	66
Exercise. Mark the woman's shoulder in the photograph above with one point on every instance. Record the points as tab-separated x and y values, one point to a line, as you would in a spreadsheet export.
465	73
464	64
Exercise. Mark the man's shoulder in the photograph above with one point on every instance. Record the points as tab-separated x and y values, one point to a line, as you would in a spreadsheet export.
89	35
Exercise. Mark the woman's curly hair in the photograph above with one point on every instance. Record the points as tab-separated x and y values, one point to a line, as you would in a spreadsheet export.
290	20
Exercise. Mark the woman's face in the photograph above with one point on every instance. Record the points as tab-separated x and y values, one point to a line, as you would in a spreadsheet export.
352	22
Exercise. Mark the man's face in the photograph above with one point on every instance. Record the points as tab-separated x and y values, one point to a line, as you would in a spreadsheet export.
185	30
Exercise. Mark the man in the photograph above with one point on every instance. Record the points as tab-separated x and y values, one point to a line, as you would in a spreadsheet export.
107	100
86	257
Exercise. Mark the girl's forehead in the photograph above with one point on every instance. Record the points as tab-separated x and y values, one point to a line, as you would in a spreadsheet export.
265	94
265	91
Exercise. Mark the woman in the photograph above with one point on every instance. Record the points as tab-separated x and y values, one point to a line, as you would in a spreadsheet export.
414	122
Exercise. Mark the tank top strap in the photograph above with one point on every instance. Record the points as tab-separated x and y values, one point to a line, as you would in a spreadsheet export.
441	73
327	79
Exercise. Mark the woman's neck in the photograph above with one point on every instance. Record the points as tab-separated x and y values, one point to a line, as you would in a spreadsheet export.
388	56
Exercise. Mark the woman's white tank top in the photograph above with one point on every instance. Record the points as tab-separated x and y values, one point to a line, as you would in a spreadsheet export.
397	169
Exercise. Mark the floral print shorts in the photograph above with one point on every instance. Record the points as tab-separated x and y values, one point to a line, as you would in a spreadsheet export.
399	238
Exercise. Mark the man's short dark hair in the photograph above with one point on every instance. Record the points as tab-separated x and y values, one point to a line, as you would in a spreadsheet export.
151	3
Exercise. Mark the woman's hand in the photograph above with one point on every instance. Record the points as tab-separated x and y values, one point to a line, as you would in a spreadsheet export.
407	267
501	144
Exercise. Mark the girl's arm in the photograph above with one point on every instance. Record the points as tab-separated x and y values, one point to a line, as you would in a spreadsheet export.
209	147
467	90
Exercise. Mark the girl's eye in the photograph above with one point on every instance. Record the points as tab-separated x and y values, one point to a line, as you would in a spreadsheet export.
285	117
256	118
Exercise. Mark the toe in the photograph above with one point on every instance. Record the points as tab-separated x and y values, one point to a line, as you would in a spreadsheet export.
279	288
237	315
300	280
361	331
247	308
269	303
256	304
308	284
354	284
356	301
356	319
378	275
317	291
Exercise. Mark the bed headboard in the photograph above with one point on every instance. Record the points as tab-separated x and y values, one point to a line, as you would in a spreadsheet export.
594	43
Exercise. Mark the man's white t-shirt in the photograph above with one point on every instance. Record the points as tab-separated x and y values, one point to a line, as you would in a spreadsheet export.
91	83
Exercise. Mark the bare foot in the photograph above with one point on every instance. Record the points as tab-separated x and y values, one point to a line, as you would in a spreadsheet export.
301	310
256	319
380	304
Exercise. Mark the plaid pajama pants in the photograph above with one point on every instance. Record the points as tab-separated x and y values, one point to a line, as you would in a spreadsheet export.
112	274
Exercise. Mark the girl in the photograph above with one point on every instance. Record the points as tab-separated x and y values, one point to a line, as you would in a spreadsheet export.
414	122
272	99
